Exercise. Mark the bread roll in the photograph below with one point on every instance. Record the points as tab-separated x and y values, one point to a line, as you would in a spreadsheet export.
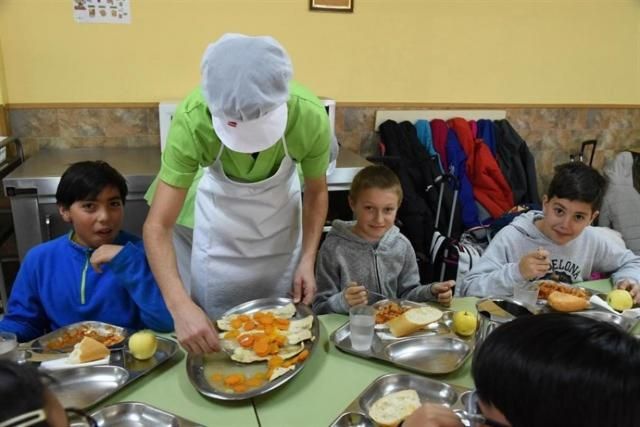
88	350
565	302
393	408
413	320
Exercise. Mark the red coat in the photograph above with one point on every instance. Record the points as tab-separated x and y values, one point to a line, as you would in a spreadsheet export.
490	188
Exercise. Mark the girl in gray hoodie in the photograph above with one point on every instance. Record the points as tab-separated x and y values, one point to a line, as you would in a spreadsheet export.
558	241
370	255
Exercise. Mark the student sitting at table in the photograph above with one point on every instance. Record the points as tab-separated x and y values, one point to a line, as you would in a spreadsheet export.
558	242
370	254
96	272
551	370
25	400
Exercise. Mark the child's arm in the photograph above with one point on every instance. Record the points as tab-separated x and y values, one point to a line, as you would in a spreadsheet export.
329	298
131	268
25	315
409	279
495	273
624	264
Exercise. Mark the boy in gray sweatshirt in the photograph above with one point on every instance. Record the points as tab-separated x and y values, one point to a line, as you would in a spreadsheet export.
559	240
370	253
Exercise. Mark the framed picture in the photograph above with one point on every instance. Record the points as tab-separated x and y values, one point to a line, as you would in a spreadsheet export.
332	5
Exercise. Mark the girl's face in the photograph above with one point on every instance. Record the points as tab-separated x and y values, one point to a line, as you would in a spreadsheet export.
375	210
96	222
564	219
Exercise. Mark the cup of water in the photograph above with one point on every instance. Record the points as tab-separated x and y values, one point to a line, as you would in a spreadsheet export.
362	319
8	346
526	293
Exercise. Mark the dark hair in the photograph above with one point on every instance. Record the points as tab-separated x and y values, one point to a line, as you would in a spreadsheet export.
560	370
375	176
21	390
85	180
578	181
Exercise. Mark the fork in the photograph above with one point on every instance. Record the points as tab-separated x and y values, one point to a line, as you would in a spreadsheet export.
392	299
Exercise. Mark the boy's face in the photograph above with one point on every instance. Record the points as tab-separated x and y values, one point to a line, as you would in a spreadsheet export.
96	222
565	219
375	211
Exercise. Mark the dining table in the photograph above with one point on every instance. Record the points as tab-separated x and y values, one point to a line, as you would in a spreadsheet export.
330	380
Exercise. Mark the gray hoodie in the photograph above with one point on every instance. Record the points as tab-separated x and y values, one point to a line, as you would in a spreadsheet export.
497	271
621	204
388	267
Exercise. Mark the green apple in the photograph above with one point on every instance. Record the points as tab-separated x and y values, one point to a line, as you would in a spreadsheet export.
143	345
619	299
464	323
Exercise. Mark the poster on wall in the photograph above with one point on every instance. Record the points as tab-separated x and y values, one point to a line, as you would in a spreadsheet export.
102	11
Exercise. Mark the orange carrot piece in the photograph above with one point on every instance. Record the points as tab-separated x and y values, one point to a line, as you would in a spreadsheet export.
236	323
261	346
240	388
249	325
246	340
275	361
234	379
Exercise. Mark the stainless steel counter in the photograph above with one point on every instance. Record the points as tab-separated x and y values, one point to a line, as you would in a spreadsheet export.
32	187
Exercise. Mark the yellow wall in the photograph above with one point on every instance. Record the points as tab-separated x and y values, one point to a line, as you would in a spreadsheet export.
458	51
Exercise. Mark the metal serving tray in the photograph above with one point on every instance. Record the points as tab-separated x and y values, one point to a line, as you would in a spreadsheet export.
433	350
200	367
40	344
429	390
136	414
83	387
626	323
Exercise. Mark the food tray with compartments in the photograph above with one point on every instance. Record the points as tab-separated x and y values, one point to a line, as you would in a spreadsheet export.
429	390
86	386
200	368
593	311
137	414
432	350
73	334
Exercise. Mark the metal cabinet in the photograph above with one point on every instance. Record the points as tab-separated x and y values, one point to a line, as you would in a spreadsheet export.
32	188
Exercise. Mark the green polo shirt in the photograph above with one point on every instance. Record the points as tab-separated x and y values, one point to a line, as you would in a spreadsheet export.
192	144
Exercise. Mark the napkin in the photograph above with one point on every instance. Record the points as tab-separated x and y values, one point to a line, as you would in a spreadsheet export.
63	363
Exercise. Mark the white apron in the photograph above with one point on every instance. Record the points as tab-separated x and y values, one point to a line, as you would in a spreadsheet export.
246	238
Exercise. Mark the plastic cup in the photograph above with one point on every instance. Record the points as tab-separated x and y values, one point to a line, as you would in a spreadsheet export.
526	293
362	320
8	346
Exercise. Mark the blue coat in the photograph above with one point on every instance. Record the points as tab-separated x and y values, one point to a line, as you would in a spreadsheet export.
56	286
457	167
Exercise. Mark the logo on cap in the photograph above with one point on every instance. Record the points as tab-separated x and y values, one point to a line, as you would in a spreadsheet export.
232	124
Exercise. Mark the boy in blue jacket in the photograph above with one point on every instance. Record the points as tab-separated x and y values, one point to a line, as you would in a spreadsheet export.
96	272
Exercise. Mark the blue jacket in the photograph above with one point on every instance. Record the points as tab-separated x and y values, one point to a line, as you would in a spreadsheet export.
457	167
56	286
487	134
423	131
